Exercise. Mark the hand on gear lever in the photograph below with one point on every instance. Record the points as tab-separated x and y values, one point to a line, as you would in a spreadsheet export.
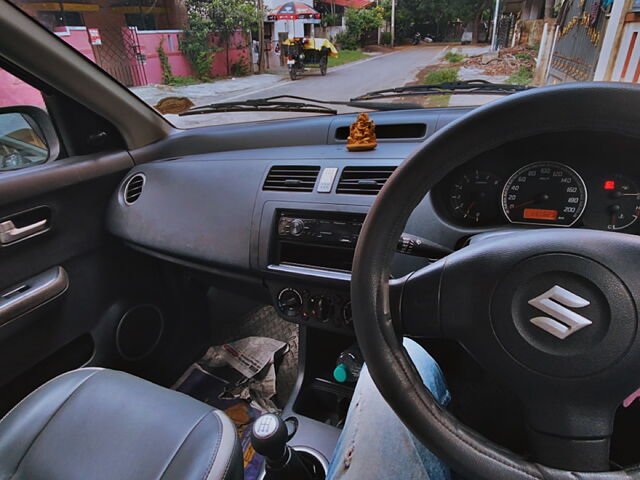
269	436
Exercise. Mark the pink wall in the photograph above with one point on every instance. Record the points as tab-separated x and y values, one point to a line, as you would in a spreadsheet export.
16	92
149	42
180	67
78	38
220	60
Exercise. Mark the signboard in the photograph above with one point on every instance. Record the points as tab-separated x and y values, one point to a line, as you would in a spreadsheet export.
94	36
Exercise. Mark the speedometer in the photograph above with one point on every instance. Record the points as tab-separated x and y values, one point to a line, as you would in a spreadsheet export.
544	193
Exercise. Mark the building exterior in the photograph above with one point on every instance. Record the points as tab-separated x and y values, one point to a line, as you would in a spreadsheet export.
123	36
593	40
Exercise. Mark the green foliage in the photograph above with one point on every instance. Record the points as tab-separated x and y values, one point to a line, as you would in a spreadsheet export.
346	56
358	22
385	38
227	16
453	57
220	17
167	74
346	41
523	56
195	42
523	76
331	20
442	75
184	81
437	13
240	68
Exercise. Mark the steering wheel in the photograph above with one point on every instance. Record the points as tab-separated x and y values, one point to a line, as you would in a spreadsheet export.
479	296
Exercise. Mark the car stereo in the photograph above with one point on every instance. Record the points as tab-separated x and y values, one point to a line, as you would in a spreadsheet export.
316	239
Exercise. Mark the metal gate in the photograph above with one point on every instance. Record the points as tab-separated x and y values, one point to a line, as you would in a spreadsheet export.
581	28
120	55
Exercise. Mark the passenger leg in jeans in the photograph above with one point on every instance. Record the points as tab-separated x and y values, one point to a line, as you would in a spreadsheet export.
375	444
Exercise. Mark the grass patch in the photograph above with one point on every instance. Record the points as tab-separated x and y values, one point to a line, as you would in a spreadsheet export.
346	56
523	76
184	81
523	56
442	75
453	57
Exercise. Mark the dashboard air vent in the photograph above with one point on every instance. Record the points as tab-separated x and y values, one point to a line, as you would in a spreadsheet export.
363	180
133	188
291	178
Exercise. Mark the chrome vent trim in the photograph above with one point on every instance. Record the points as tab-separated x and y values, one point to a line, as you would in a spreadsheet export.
292	178
133	188
363	180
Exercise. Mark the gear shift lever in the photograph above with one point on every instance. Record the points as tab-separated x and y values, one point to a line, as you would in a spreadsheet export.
269	436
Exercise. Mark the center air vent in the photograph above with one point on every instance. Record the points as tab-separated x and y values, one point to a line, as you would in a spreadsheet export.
292	178
133	188
363	180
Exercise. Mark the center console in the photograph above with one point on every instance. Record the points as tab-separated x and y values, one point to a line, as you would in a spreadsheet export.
316	244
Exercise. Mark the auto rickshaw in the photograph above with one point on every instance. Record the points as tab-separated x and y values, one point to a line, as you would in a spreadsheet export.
303	53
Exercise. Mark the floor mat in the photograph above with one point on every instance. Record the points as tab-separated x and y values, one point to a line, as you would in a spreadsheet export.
265	322
208	388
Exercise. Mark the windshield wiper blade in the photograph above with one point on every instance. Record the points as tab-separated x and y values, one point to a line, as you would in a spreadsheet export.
260	105
355	103
470	87
276	104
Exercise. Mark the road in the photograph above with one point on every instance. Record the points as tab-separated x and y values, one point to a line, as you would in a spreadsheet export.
341	83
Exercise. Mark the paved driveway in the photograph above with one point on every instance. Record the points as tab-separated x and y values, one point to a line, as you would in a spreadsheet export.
341	83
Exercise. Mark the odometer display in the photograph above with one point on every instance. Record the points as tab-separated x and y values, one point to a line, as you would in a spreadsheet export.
544	193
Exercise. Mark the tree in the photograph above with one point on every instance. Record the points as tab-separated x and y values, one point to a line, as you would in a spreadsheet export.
229	16
358	22
196	39
439	13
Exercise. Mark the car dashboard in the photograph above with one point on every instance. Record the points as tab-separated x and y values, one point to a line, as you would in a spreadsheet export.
284	219
562	180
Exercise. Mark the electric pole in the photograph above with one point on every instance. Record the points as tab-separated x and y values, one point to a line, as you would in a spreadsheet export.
261	38
494	35
393	23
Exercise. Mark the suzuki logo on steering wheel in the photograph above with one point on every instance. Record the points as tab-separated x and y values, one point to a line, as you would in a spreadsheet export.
564	322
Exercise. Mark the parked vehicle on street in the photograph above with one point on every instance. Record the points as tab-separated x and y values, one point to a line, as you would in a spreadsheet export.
305	53
419	37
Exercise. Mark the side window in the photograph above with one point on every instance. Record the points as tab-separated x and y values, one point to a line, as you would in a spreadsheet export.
23	141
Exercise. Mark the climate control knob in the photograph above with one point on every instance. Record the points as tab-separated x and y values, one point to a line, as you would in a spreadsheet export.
289	302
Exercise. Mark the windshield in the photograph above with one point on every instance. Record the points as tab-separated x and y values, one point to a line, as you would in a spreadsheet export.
180	54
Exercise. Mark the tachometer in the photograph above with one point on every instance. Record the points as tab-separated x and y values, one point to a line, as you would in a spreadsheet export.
473	197
544	193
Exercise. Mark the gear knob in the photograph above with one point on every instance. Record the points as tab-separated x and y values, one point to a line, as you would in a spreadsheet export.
269	437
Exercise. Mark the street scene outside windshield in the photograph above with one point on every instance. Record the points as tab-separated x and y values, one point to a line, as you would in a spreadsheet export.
185	57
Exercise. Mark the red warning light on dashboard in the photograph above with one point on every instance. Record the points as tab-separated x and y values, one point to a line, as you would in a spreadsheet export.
540	214
609	185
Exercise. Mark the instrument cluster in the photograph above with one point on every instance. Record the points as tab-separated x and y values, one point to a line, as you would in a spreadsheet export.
540	193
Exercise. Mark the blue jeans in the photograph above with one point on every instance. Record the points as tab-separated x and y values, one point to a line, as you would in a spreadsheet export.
375	444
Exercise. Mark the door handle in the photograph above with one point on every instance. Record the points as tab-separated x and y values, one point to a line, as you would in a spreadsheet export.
32	293
9	233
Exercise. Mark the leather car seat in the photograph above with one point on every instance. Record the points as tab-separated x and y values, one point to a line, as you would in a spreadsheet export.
97	424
